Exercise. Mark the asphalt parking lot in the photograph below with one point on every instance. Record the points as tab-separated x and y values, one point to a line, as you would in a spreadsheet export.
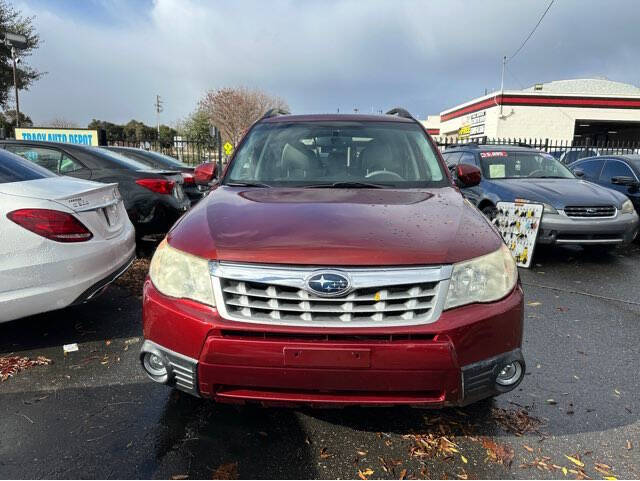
94	414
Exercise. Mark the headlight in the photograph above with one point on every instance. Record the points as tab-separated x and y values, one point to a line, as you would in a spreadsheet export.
483	279
627	207
178	274
549	209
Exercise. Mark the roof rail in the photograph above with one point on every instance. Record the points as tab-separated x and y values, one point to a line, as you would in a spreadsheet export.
274	113
400	112
462	144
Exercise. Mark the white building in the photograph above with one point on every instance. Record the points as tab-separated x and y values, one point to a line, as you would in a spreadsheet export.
584	110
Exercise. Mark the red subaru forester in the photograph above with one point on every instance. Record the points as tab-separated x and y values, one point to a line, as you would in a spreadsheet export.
335	263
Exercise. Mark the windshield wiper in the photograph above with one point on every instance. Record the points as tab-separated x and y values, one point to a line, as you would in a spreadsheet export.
345	185
550	177
247	184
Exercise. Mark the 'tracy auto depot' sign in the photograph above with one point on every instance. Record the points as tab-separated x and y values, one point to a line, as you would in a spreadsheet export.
67	136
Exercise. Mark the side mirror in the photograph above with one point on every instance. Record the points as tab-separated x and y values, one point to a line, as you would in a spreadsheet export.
578	173
624	180
205	173
467	175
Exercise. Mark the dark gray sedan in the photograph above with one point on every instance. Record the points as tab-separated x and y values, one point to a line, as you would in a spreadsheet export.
575	211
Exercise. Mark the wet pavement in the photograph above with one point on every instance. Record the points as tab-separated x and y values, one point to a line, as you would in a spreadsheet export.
94	414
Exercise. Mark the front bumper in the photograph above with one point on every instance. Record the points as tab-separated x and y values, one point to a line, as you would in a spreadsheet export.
160	217
71	274
562	229
452	361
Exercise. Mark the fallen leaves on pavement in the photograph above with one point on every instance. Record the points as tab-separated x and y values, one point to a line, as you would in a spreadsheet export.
226	471
575	461
362	474
133	278
497	452
517	422
11	365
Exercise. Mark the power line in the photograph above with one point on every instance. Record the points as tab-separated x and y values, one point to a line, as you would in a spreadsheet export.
532	31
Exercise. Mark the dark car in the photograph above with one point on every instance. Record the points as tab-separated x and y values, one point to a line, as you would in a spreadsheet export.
571	154
618	172
344	268
153	198
157	160
575	211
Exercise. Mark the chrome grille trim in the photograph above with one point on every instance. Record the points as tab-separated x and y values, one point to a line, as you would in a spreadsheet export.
591	211
379	297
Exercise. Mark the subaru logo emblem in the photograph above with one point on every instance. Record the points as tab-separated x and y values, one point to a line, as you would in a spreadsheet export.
328	284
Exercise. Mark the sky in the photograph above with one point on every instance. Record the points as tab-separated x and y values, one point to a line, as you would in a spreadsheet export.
107	59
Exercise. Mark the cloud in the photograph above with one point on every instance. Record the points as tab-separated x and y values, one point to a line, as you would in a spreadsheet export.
109	59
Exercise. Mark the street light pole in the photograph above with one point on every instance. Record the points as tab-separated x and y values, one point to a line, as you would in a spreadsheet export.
15	41
15	85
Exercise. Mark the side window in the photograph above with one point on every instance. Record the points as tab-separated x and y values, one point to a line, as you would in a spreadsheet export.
591	168
47	158
468	158
452	158
615	168
67	165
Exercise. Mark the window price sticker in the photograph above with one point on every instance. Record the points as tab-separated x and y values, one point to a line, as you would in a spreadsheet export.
519	223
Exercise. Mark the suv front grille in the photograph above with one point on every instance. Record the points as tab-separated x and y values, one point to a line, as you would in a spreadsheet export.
281	297
596	211
269	302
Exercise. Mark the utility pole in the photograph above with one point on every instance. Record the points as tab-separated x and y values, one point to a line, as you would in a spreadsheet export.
158	106
15	85
504	62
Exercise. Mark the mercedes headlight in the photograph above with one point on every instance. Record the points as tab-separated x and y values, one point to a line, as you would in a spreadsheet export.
483	279
627	207
178	274
549	209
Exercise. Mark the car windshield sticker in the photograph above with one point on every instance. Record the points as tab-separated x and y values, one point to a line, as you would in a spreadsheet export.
518	223
486	155
497	171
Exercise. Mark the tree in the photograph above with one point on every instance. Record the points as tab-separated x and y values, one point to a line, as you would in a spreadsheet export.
196	127
114	132
234	110
135	131
166	136
62	123
12	21
8	120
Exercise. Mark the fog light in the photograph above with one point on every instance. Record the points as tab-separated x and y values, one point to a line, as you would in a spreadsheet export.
154	364
510	374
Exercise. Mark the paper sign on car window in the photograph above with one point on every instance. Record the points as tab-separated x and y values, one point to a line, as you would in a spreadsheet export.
485	155
497	171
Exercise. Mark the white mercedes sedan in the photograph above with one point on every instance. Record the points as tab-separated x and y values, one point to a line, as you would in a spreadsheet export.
62	240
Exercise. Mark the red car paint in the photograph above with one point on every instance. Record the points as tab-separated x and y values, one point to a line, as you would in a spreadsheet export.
417	365
356	227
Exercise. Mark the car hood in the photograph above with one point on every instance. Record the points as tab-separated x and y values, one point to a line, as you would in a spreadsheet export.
335	227
559	192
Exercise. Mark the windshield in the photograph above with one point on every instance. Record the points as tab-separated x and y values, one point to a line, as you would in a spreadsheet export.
517	165
122	161
365	154
151	156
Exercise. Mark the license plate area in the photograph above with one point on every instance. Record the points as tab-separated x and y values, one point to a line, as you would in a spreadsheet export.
329	358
